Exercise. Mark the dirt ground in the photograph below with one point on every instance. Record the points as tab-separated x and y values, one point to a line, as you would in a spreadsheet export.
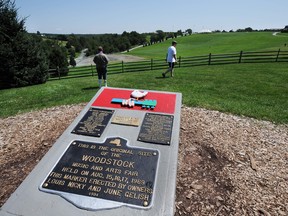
227	165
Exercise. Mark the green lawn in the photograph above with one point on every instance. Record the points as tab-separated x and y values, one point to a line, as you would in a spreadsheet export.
255	90
217	43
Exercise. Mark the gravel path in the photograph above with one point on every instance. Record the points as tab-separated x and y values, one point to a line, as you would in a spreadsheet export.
82	60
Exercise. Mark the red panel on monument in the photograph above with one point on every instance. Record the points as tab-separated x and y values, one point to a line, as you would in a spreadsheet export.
165	101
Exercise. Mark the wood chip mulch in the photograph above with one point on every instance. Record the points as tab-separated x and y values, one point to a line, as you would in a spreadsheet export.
227	165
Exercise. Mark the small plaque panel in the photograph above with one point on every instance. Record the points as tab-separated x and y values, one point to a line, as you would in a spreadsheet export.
109	170
123	120
156	128
94	122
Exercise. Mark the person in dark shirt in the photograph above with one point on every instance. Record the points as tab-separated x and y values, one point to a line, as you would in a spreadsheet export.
101	61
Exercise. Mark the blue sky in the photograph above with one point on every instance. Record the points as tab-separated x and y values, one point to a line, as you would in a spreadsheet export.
117	16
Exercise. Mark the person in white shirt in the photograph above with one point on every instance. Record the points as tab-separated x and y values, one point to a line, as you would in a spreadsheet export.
171	58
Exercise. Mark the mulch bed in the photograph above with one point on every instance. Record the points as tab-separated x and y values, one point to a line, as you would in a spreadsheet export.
227	165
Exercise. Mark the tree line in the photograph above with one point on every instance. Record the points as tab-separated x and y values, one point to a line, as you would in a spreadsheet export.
112	43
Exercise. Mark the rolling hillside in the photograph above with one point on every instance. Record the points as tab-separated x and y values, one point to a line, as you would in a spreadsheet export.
217	43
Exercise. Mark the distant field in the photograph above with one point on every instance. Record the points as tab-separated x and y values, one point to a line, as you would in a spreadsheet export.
217	43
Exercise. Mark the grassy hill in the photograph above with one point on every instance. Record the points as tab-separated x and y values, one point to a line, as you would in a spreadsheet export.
255	90
217	43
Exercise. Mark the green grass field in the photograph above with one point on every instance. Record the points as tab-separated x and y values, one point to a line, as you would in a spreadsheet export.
254	90
217	43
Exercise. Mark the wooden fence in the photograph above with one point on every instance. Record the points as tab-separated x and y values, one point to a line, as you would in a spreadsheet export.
158	64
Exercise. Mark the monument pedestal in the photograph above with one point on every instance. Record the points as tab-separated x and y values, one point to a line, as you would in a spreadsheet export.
112	160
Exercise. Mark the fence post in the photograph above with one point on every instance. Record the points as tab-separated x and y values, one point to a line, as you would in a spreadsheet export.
151	64
277	55
209	61
92	70
58	71
240	57
179	61
122	67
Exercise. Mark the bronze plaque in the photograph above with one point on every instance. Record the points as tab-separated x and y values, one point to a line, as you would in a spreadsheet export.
93	122
109	170
124	120
156	128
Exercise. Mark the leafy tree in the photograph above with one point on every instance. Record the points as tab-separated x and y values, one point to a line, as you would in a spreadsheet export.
114	42
124	43
75	42
179	33
23	60
83	42
189	31
285	30
134	38
153	38
68	45
61	37
161	35
57	56
72	61
248	29
170	35
32	63
72	52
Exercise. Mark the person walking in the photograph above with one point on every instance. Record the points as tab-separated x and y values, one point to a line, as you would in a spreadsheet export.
171	58
101	61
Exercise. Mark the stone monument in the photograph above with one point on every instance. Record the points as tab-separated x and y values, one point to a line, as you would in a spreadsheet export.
118	157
